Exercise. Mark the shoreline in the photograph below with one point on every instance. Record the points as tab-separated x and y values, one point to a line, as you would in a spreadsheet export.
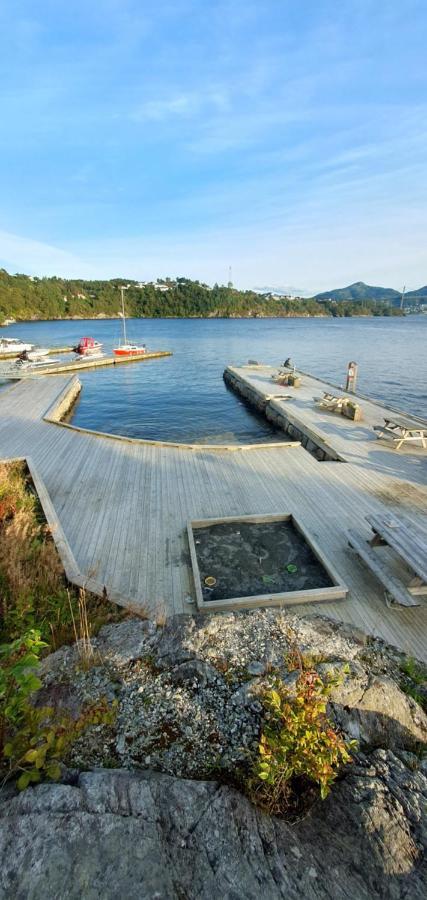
201	318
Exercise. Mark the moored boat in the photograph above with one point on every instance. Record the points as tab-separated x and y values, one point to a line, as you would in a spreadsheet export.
88	346
13	346
36	354
38	363
129	350
126	348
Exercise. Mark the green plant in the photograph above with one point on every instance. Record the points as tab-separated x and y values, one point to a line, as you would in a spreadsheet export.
297	742
414	676
36	749
33	740
414	670
19	661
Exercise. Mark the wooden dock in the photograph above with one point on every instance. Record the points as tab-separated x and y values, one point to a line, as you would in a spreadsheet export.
122	506
51	352
86	362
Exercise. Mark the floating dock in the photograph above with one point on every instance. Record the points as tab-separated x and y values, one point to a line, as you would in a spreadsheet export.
86	362
51	352
327	436
120	508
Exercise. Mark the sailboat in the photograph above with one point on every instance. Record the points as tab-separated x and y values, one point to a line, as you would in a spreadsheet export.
125	348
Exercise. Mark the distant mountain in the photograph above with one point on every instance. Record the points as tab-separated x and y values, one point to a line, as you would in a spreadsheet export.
361	291
420	292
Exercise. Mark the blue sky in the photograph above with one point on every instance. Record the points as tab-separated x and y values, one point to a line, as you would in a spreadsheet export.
285	138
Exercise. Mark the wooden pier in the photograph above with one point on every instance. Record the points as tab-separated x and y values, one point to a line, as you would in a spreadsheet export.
51	352
86	362
120	508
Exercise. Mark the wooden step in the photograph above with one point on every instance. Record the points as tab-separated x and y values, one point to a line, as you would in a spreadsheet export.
380	569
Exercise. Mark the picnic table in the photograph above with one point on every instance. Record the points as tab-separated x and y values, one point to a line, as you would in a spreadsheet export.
410	545
408	542
402	431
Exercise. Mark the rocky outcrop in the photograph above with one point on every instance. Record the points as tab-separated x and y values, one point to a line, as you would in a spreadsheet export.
378	714
189	705
189	693
146	835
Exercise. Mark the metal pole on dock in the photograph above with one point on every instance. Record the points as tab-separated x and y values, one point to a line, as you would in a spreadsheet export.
123	315
350	384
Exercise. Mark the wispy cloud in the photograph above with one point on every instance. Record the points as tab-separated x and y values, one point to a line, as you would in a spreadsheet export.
25	254
182	105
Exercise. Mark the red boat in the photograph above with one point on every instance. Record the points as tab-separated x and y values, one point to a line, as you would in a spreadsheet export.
126	348
88	346
129	350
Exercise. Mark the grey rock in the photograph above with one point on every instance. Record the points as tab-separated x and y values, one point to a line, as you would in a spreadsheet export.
247	693
194	669
256	668
146	835
124	642
377	713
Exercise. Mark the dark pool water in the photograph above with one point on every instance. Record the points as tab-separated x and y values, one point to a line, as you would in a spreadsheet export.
249	559
184	398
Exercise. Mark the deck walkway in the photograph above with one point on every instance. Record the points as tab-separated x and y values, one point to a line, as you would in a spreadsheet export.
124	505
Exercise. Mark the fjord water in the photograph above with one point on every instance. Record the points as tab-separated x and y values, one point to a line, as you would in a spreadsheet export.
184	398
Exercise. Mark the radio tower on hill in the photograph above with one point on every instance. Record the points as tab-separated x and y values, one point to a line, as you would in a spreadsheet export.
230	278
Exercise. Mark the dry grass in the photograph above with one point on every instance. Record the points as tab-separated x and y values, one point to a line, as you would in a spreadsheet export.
33	589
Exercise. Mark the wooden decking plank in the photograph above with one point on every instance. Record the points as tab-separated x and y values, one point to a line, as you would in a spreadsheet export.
147	559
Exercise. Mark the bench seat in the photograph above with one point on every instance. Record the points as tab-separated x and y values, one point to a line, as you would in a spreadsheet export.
379	568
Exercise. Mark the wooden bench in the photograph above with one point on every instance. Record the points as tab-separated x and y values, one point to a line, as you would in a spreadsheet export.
342	405
287	378
401	431
393	588
408	541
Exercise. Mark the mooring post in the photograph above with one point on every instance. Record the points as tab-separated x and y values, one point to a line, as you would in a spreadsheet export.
351	377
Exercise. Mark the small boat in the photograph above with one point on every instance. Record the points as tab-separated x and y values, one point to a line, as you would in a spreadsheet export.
36	354
13	346
31	365
88	346
125	348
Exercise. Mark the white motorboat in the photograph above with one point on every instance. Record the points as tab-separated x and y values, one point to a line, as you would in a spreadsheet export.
30	365
36	354
13	346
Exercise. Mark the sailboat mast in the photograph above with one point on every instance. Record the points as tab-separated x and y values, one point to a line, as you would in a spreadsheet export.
123	315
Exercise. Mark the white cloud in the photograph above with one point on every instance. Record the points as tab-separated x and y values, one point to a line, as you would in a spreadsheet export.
181	105
33	257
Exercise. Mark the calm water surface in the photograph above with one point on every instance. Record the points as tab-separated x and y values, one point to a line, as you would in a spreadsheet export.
183	397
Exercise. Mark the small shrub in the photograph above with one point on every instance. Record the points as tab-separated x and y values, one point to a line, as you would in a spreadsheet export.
414	670
298	742
413	680
34	740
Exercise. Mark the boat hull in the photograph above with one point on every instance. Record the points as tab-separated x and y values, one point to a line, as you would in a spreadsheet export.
136	352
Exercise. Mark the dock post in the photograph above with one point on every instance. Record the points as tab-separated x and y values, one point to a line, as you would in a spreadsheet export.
350	384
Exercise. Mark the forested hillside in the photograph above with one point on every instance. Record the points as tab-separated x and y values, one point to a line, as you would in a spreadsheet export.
24	297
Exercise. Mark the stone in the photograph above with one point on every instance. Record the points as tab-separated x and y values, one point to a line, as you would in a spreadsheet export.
144	835
256	668
374	711
125	642
194	669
